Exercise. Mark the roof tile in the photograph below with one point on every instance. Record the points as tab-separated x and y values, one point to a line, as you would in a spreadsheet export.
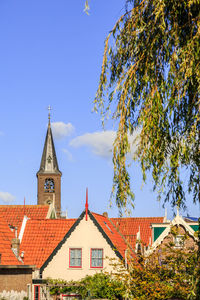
14	214
112	233
6	236
129	227
41	237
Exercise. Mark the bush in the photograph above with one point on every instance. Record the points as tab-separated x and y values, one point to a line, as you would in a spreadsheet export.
99	285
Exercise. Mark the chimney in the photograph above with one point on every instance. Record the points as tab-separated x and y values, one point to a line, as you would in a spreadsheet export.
15	246
105	214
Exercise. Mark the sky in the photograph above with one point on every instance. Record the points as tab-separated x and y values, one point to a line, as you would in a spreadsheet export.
51	54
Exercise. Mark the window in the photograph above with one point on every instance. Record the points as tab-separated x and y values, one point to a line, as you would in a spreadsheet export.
96	258
49	186
178	241
36	292
75	258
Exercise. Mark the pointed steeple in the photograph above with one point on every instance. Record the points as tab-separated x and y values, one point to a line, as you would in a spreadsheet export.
49	163
49	175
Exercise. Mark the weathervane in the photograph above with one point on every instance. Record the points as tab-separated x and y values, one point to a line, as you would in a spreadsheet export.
49	114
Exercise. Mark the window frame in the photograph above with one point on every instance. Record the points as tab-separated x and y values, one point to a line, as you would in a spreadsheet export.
179	244
37	286
75	267
96	267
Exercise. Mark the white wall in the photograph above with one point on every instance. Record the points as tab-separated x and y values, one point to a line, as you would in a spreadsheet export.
85	236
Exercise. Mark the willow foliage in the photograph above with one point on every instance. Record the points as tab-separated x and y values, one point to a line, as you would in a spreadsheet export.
150	82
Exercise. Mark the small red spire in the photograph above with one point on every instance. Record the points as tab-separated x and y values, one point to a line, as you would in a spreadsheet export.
86	205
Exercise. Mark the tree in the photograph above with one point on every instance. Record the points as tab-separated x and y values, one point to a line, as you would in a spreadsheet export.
151	74
167	273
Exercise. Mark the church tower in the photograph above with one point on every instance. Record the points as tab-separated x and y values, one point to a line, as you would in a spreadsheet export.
49	175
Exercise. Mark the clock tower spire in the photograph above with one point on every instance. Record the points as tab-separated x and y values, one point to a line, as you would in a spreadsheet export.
49	175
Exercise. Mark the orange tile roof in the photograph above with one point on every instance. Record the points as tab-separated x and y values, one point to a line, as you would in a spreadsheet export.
41	237
112	233
130	226
6	236
14	214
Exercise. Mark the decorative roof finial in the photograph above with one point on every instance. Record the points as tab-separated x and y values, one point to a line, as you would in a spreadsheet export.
86	205
177	213
49	114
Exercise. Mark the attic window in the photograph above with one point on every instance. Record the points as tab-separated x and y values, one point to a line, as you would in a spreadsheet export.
179	241
108	226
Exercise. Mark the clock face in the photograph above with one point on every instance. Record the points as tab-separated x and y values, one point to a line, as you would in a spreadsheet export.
49	186
49	201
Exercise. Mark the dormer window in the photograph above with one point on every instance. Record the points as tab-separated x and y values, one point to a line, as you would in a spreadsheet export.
49	186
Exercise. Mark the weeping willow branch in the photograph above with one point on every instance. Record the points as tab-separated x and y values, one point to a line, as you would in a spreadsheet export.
150	79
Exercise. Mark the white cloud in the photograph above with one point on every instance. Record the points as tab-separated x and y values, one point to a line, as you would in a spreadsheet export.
6	197
101	143
61	129
1	133
68	154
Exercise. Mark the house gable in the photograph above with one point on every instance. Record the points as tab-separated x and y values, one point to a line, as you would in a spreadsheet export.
183	227
83	236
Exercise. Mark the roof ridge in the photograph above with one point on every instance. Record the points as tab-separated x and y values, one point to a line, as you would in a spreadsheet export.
53	220
98	214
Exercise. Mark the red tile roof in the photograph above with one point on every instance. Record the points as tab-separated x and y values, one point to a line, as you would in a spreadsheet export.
41	237
112	233
6	236
129	227
14	214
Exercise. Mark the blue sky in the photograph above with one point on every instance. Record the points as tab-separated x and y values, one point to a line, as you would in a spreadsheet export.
51	53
